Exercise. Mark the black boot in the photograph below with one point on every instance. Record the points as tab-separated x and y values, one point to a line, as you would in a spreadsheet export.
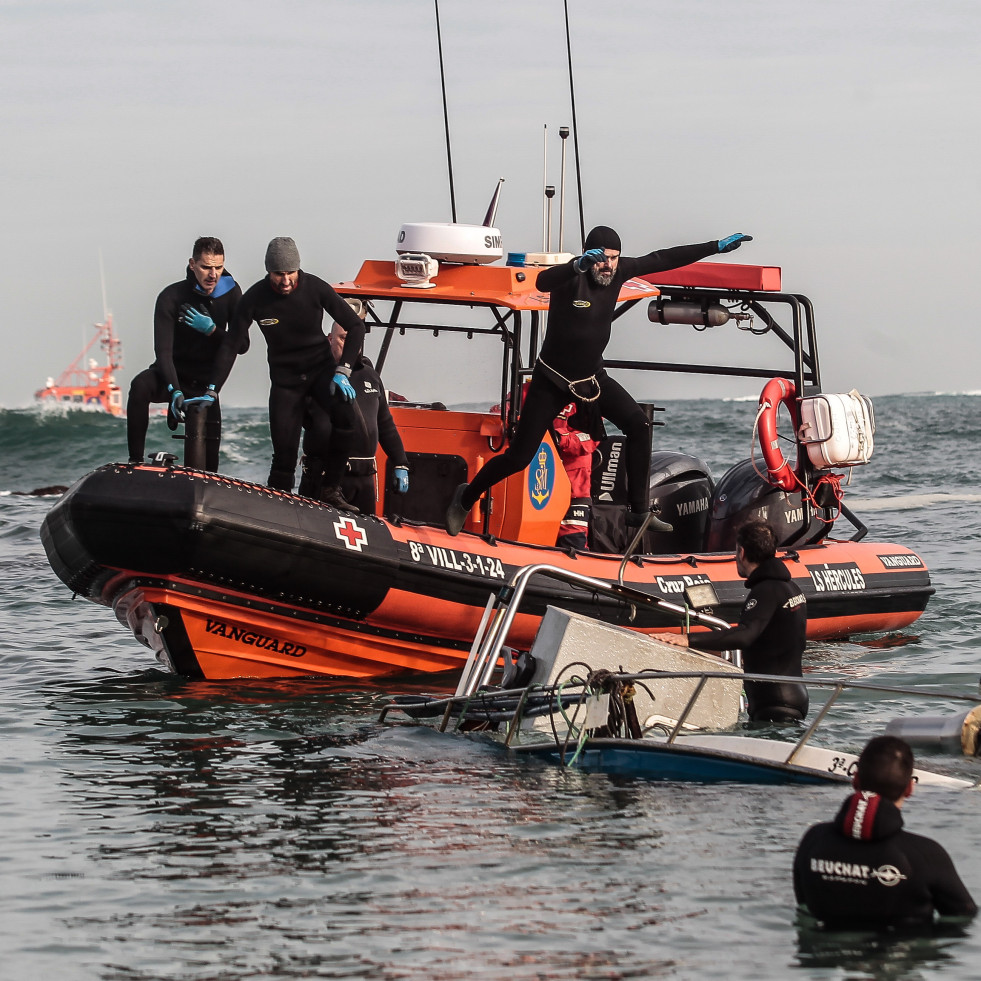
280	480
635	519
333	497
456	513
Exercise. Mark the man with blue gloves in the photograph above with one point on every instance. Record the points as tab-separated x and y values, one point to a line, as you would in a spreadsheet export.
583	296
190	323
374	425
289	305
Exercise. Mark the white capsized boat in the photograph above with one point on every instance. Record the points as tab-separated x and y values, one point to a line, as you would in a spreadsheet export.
600	698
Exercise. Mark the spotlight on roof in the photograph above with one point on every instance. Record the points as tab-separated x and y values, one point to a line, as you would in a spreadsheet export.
416	269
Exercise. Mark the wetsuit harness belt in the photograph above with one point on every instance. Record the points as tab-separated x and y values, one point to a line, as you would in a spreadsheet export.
361	466
556	377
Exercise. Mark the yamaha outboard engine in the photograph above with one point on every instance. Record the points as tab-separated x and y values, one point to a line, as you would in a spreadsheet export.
742	495
681	487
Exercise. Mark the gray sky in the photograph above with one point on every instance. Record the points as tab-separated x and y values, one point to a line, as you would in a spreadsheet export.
842	134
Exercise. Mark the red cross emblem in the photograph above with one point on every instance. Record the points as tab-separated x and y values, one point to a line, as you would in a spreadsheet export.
351	533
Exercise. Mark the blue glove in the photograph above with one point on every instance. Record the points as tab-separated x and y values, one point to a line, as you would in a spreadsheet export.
201	322
205	401
341	383
400	480
588	259
176	402
732	242
175	411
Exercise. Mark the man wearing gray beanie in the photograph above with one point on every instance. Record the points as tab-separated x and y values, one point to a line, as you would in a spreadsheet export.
289	305
583	295
282	253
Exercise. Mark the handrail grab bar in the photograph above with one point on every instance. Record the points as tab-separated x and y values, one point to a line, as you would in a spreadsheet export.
509	599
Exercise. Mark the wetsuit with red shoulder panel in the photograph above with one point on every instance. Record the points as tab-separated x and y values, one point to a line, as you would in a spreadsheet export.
862	870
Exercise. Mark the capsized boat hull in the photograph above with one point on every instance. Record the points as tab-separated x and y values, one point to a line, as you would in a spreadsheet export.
654	760
224	578
708	758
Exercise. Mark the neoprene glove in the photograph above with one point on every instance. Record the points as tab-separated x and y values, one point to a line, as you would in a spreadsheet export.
206	401
176	402
400	480
588	259
732	242
341	383
201	322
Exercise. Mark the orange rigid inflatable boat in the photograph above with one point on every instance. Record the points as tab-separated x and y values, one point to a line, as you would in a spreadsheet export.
228	579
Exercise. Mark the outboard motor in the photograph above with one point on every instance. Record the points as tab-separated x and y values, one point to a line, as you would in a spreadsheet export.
959	733
681	486
742	495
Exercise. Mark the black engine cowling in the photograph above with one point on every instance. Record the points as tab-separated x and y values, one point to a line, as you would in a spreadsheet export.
681	486
742	495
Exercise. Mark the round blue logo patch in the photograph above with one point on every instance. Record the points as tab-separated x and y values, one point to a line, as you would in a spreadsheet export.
541	477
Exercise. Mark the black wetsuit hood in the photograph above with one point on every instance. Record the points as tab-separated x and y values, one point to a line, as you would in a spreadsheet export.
602	237
768	569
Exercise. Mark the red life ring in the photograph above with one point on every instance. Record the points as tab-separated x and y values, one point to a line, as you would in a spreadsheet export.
775	392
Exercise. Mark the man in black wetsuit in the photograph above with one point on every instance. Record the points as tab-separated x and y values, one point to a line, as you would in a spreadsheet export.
190	322
373	425
771	631
288	305
862	870
583	295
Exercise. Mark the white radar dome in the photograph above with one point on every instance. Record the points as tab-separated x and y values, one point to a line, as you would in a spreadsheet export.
451	242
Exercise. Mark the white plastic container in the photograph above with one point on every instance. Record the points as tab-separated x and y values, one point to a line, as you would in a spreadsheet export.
837	429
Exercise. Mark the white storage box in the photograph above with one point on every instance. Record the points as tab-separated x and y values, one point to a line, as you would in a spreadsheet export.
837	429
566	638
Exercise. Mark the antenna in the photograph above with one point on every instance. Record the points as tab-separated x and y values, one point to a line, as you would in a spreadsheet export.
563	135
549	194
575	126
545	202
492	207
102	280
446	118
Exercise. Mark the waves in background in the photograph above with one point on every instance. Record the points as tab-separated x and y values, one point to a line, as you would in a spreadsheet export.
156	828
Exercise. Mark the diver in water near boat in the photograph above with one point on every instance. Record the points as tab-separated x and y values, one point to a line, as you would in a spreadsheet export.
374	426
862	870
289	305
190	323
771	631
583	295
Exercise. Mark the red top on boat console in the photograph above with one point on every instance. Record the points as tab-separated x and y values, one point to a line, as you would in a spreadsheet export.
720	275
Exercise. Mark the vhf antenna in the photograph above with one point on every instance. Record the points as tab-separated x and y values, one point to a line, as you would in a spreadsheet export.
575	126
563	135
446	118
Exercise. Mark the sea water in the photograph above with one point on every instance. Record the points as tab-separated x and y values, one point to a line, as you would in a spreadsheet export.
156	828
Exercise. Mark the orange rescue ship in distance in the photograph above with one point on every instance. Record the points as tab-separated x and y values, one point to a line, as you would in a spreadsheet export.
91	385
